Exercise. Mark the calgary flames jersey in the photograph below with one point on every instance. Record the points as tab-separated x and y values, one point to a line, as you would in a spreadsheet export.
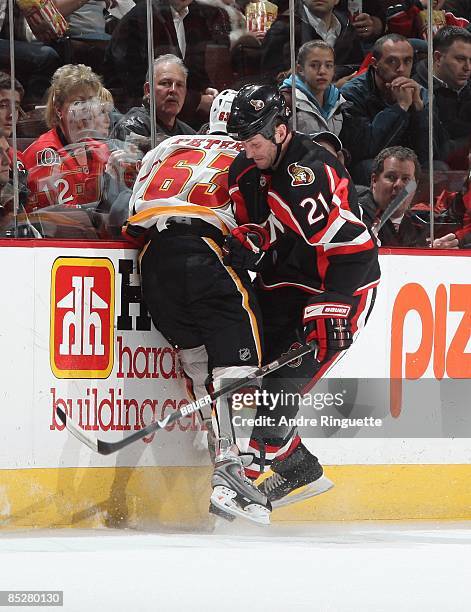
66	175
185	176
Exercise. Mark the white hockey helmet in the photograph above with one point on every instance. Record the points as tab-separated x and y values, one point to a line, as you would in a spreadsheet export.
220	111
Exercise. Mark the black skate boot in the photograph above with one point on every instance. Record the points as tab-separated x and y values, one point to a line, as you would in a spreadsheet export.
234	493
295	478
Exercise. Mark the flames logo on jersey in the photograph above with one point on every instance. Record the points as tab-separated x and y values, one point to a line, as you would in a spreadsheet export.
300	175
257	104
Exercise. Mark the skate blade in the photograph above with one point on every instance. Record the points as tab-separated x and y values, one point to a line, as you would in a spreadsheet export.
216	511
312	489
223	498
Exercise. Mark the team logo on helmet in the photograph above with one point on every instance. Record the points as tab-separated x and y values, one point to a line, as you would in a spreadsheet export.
300	175
257	104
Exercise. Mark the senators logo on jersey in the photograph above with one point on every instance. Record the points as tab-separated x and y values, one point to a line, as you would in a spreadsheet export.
300	175
47	157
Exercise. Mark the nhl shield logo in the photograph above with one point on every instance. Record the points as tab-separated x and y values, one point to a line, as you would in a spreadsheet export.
300	175
257	104
244	354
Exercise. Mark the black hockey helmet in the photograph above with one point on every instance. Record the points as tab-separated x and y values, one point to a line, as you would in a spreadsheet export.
255	110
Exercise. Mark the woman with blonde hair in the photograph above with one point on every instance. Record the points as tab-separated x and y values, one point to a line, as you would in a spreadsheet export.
66	164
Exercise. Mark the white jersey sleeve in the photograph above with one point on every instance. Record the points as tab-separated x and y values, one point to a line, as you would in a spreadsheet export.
185	176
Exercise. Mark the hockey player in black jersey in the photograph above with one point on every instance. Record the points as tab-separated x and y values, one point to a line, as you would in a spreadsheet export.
318	274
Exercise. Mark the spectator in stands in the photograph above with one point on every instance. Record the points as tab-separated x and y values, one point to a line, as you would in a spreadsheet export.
332	143
319	21
409	18
106	115
7	220
386	108
452	212
66	164
10	102
319	103
35	61
225	70
460	212
4	177
369	22
393	168
452	94
460	8
88	39
198	26
170	76
238	25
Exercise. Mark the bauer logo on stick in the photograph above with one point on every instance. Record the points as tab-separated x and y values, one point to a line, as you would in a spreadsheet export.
82	316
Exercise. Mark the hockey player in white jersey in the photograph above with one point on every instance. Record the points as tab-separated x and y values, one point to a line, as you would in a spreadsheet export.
181	207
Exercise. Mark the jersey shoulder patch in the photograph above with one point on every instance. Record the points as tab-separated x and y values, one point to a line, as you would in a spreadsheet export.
300	175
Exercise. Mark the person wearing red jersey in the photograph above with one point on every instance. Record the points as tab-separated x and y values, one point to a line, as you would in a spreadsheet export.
181	206
67	164
317	279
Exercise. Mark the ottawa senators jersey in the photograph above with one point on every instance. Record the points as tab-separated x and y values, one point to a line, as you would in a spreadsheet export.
310	207
19	159
61	174
185	176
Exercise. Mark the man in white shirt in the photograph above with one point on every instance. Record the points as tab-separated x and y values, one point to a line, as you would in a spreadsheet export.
321	17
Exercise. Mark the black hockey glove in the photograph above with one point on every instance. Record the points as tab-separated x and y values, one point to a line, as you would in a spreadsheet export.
327	321
245	247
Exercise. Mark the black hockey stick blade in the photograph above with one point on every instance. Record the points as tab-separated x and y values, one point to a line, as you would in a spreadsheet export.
74	429
396	203
107	448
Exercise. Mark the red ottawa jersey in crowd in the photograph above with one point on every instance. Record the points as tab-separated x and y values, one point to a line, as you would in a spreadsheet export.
64	174
310	207
19	159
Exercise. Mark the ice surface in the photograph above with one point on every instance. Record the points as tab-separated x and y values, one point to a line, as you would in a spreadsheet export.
357	567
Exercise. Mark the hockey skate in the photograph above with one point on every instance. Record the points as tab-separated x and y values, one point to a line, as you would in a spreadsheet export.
298	477
234	493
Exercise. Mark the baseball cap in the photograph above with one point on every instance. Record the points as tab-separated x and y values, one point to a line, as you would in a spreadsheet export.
326	136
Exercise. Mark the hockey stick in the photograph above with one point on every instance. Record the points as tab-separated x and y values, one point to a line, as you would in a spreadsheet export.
107	448
396	203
